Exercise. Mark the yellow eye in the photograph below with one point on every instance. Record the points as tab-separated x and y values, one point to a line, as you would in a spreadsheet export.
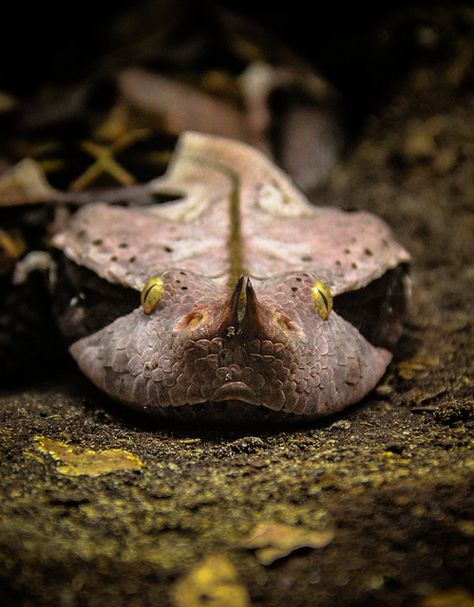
151	294
322	298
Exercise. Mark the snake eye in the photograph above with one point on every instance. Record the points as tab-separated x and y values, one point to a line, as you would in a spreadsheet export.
322	298
151	294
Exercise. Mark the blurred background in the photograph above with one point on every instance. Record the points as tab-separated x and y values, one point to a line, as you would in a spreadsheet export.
362	48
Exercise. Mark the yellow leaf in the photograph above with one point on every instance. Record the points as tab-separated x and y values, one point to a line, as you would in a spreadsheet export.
456	597
87	462
212	583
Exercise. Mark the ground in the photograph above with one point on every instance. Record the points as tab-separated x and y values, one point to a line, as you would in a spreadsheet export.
386	485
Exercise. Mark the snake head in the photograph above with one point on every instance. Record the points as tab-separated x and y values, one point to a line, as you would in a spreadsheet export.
201	349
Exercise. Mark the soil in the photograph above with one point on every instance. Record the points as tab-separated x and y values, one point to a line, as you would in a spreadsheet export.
391	478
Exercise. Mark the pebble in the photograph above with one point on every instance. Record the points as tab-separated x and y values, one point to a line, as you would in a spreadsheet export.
247	444
342	424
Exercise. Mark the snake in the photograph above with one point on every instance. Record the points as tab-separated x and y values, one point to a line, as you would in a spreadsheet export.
235	300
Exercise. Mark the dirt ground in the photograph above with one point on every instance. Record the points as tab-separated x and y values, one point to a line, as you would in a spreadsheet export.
387	485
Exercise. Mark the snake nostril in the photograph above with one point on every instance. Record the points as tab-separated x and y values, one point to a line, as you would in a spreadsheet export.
192	320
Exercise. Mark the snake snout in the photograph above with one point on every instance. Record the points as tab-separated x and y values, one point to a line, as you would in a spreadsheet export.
243	315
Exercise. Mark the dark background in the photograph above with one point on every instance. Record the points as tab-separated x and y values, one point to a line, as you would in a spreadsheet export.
49	41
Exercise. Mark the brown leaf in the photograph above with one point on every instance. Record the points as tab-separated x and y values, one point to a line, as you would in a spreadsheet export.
274	541
179	106
25	183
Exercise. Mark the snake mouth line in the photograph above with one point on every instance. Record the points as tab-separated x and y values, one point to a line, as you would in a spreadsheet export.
235	390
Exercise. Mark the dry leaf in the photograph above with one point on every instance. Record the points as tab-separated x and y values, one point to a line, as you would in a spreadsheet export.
25	183
87	462
212	583
274	541
179	106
